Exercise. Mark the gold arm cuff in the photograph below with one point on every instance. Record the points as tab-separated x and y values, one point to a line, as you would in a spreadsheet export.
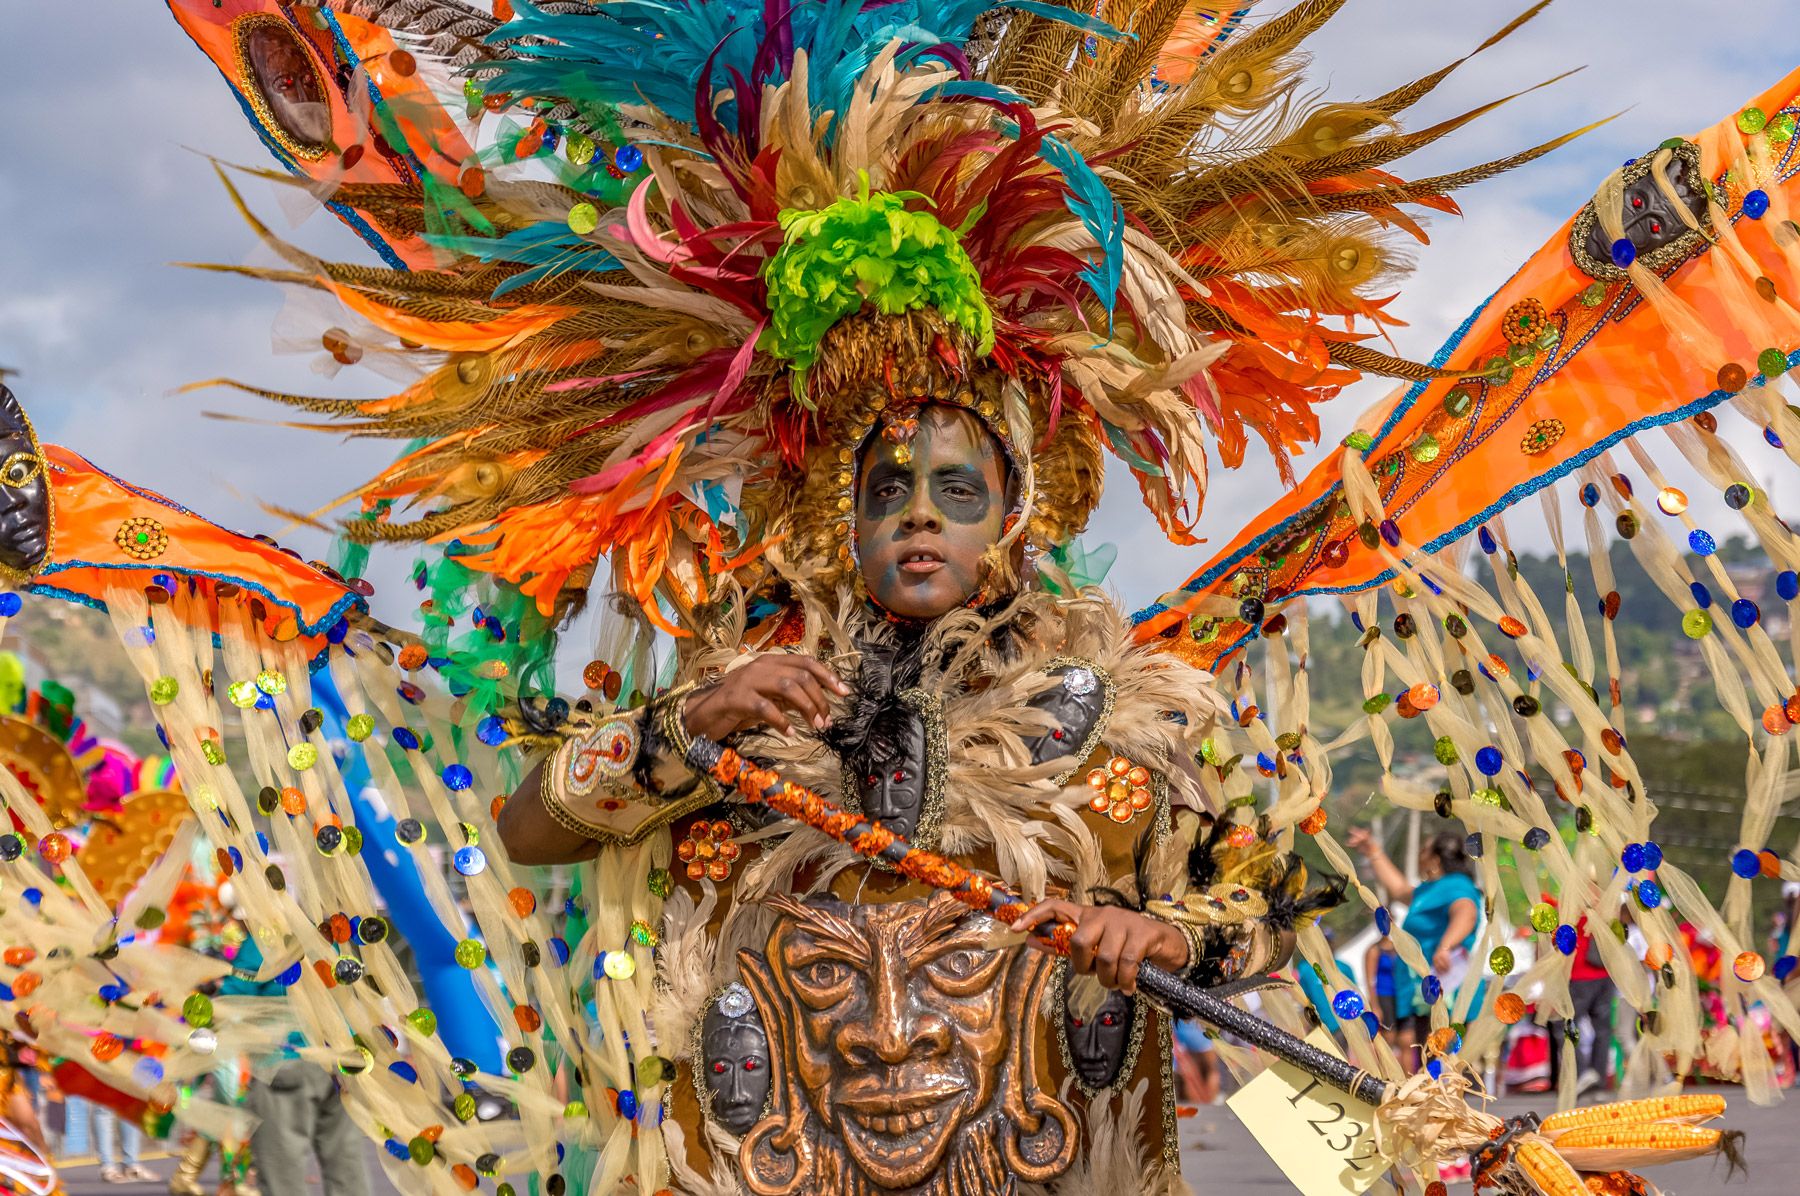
553	802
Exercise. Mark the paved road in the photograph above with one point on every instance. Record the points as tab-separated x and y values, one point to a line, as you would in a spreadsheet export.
1219	1155
1219	1158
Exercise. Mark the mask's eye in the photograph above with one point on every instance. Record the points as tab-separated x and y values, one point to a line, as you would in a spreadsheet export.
957	965
1109	1018
20	468
719	1067
826	973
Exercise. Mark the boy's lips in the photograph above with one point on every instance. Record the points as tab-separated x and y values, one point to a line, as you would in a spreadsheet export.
921	561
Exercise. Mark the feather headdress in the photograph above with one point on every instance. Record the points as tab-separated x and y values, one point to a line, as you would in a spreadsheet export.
768	225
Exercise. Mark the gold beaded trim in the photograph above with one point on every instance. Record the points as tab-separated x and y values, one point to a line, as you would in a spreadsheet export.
252	90
1140	1017
929	706
142	538
1091	740
15	576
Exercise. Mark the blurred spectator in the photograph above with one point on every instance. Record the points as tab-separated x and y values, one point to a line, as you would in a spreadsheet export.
1196	1064
118	1142
1378	971
299	1109
1442	912
1591	993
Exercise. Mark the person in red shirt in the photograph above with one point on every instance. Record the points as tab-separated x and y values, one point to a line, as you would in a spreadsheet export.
1591	992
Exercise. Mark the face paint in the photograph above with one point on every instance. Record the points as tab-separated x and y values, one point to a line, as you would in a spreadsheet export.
923	524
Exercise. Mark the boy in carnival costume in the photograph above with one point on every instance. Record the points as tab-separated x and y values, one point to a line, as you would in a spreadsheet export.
819	338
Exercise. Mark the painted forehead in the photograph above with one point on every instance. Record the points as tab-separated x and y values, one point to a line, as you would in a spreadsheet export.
953	436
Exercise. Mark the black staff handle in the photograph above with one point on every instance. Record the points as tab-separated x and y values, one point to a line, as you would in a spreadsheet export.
1192	1001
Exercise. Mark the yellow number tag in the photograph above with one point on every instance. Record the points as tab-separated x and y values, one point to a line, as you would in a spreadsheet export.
1322	1139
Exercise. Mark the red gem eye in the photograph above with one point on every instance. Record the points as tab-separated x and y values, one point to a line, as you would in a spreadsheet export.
899	775
752	1064
1057	734
1656	226
1078	1022
718	1067
871	778
1109	1019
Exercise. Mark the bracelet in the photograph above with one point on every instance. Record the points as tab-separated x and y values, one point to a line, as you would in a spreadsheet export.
671	718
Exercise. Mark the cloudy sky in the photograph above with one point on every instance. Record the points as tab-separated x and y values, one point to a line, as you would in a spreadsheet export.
105	182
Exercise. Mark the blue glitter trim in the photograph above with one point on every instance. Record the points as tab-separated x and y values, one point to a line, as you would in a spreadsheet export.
343	606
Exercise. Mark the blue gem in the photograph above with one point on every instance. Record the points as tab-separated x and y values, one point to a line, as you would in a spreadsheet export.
1745	863
1431	988
1472	846
1488	761
628	1105
1356	622
491	730
338	630
404	1070
406	739
1702	595
1435	1068
1536	838
398	1149
1787	585
1756	204
1632	857
1784	967
237	859
33	896
458	777
1487	541
10	604
559	950
264	701
1769	435
470	861
628	158
262	842
1702	542
1384	921
289	977
1348	1004
1263	762
600	966
1744	613
112	992
1623	253
1565	939
1590	495
1649	894
1652	857
1371	1023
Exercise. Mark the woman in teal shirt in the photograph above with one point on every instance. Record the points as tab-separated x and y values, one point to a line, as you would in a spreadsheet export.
1441	914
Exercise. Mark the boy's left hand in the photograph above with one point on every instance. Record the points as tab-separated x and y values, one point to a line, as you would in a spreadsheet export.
1110	941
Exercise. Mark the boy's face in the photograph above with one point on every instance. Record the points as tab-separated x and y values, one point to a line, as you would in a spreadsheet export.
923	525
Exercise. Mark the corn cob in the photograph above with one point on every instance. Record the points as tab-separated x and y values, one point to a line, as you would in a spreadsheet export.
1595	1148
1686	1110
1547	1170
